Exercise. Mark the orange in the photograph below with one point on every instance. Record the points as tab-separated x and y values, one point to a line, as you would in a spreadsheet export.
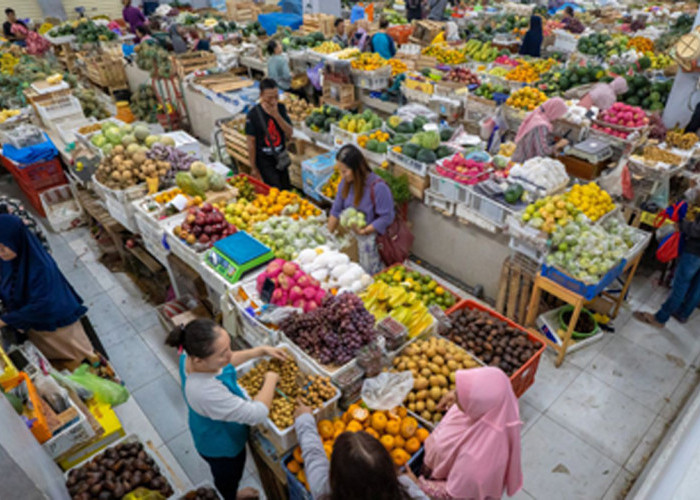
372	433
401	412
388	442
412	445
393	427
400	457
408	427
399	442
422	434
294	466
379	421
328	448
297	455
326	429
348	416
339	425
354	426
302	477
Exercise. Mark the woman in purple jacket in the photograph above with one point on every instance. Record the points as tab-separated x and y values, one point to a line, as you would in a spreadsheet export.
133	16
366	192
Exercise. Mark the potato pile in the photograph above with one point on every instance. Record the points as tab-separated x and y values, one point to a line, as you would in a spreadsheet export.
433	363
297	109
313	390
115	472
493	341
126	167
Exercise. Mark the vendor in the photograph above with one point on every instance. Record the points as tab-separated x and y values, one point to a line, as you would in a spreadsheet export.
359	467
219	412
534	137
16	38
267	129
15	207
684	297
365	191
568	15
143	33
604	95
340	37
436	10
475	451
278	66
532	41
381	42
133	16
38	299
414	10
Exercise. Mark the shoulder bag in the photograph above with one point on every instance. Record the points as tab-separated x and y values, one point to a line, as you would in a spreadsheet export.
282	159
395	244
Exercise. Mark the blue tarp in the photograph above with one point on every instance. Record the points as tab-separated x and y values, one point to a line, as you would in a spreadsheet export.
292	7
43	151
577	8
270	21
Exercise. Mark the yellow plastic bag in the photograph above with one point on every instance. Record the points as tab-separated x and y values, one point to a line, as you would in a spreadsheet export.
143	494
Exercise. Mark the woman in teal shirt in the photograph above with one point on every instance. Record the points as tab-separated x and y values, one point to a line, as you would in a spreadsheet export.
219	412
381	42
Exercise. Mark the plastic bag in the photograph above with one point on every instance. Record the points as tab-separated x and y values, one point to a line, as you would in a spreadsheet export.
105	391
143	494
83	393
274	315
387	390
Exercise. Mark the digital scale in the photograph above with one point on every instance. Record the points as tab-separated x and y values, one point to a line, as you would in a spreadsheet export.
593	150
236	255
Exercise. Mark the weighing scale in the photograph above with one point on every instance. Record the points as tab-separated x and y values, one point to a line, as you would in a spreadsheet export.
593	150
236	255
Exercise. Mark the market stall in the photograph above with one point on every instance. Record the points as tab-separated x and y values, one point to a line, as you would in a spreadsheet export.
160	174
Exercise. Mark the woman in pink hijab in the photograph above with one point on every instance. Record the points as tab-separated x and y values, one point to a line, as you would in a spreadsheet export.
534	137
474	453
604	95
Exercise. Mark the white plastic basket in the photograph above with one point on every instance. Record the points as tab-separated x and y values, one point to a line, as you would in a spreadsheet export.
528	250
328	371
341	137
61	207
134	438
469	216
286	439
149	224
189	255
409	164
377	79
490	209
449	188
67	128
439	202
66	106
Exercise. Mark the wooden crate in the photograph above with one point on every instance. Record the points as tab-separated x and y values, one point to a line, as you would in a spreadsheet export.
515	287
295	172
236	142
318	22
425	31
242	11
417	184
106	71
187	63
343	94
224	82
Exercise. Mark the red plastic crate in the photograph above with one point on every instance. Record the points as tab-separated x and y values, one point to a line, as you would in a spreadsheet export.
33	195
522	379
39	175
260	186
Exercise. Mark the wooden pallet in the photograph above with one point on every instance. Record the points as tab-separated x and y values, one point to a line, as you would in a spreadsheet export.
425	31
105	71
515	287
184	64
222	83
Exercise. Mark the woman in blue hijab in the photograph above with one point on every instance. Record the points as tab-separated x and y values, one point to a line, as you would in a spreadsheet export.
38	299
532	41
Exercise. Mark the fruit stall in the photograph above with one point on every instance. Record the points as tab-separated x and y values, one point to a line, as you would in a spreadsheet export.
509	257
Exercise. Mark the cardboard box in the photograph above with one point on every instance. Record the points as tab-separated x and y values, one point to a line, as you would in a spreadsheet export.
113	431
75	434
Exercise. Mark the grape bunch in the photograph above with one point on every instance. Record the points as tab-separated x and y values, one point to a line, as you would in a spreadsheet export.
334	332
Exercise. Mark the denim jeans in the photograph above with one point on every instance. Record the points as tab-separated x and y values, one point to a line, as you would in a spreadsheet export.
685	290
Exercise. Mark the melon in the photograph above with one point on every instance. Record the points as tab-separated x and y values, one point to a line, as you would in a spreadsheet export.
167	140
151	140
141	132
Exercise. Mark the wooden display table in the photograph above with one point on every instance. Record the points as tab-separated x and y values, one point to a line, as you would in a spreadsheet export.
577	301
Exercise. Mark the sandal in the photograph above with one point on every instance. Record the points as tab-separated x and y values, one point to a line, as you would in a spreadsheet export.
648	318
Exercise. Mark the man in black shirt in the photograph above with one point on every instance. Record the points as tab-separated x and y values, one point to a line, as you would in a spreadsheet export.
267	129
7	26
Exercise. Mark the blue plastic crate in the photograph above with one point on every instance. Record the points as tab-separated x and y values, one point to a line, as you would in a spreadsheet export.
588	291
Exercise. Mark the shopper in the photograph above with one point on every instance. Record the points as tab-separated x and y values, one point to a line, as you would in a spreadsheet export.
218	411
534	137
414	10
7	28
685	289
365	191
340	37
133	16
436	10
532	41
38	299
278	66
474	453
143	33
360	467
381	42
177	38
15	207
267	128
604	95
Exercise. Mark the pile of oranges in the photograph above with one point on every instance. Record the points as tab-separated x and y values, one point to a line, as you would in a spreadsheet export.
368	61
284	202
524	72
397	66
398	432
527	98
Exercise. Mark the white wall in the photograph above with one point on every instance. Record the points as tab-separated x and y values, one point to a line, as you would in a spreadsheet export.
32	8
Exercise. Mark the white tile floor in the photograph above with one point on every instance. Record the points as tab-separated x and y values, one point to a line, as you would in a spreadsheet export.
589	426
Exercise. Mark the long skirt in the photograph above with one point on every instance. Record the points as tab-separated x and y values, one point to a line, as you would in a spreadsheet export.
65	347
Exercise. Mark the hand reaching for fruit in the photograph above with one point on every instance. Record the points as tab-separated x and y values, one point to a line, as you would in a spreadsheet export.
301	409
447	401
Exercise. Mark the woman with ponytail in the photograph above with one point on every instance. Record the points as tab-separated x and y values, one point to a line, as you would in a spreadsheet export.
219	412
